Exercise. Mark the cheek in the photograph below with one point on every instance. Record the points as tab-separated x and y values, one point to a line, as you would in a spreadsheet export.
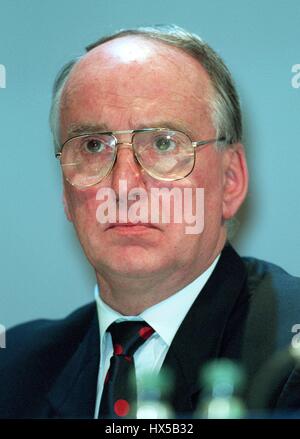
82	205
209	176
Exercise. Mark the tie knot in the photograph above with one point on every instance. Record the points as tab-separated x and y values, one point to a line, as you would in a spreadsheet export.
127	337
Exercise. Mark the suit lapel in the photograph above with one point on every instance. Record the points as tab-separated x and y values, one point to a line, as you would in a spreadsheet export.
74	392
198	339
200	336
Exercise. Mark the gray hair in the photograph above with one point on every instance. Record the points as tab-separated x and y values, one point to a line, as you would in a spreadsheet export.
226	112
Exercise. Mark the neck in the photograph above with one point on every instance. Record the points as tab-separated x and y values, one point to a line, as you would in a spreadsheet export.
132	294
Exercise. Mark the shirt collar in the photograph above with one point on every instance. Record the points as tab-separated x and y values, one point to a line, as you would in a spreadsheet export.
165	317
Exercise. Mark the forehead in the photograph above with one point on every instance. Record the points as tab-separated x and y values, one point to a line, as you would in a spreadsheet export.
133	74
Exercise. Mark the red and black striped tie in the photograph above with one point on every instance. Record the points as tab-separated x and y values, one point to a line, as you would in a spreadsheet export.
119	392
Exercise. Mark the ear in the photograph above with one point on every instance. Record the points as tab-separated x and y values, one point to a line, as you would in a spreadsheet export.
66	203
235	180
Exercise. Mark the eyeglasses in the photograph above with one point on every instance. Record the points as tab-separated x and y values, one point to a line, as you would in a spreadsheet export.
163	153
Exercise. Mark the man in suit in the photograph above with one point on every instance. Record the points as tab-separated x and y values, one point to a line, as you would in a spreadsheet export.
150	108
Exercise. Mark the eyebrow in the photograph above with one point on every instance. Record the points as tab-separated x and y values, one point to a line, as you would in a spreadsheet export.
77	129
175	125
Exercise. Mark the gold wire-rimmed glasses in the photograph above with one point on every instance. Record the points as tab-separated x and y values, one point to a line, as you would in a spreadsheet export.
165	154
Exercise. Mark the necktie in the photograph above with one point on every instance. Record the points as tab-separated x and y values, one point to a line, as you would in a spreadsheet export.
119	391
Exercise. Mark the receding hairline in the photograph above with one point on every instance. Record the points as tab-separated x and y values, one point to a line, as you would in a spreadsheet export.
225	103
162	48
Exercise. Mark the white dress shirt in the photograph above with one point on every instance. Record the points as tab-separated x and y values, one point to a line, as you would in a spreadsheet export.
165	318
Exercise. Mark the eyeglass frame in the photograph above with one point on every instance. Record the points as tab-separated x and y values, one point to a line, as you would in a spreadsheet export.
195	144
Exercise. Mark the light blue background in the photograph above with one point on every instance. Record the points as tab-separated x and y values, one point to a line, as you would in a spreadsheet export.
43	270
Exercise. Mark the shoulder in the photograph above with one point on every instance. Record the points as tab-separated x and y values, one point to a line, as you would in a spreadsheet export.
37	350
274	297
264	274
32	337
270	284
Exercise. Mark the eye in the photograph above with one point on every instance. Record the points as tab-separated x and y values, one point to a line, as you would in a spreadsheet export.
164	143
94	145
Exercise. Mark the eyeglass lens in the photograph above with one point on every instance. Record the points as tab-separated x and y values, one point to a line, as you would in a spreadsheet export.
165	155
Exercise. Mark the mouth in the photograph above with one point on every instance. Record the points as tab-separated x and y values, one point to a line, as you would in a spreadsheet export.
128	228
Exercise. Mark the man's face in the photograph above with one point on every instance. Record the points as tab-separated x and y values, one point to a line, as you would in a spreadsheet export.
131	83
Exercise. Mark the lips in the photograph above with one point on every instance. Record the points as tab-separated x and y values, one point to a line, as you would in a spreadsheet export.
130	225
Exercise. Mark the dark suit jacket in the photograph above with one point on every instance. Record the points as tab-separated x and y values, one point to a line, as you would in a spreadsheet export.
245	312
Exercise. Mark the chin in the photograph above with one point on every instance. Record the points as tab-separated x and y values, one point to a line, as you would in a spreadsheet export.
133	264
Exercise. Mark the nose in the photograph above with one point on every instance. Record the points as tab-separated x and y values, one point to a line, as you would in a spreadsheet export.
126	168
